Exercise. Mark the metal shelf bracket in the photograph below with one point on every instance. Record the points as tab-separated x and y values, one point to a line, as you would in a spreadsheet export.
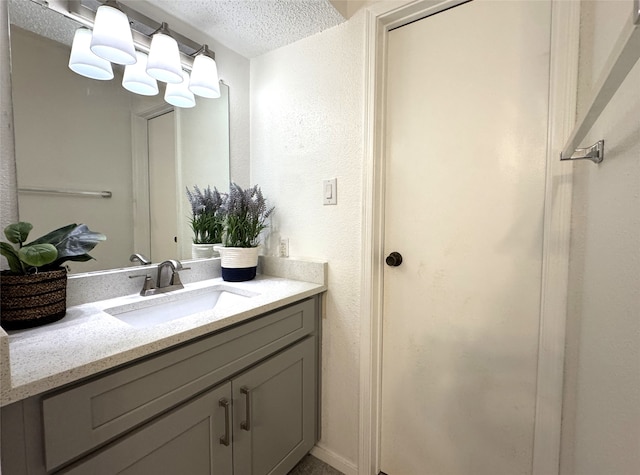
595	153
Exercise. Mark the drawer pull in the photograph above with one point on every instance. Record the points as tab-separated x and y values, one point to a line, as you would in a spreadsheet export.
246	425
224	402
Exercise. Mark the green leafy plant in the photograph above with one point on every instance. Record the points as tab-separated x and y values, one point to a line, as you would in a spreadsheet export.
49	252
246	215
207	215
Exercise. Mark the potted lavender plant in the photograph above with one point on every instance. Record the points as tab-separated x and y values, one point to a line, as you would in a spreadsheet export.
246	215
207	220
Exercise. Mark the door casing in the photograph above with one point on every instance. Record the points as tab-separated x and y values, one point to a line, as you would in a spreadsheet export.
380	19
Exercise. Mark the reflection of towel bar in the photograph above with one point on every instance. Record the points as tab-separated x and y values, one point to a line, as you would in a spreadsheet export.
98	194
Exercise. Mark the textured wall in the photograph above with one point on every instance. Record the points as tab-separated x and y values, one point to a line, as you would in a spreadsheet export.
601	419
306	126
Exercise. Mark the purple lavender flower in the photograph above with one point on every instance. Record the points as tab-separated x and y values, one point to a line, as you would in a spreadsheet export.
246	216
207	214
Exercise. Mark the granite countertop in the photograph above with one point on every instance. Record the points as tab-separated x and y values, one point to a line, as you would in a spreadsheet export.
89	340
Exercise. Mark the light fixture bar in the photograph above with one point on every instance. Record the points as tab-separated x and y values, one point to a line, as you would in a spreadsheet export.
137	17
84	15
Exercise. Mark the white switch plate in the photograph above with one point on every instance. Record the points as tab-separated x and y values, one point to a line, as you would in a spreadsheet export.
330	191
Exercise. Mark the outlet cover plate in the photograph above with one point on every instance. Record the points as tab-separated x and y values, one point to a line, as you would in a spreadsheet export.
283	250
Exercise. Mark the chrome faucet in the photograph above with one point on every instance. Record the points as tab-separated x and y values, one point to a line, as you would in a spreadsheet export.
139	258
174	279
164	282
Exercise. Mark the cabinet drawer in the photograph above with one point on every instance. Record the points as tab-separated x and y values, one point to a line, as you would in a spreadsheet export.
83	417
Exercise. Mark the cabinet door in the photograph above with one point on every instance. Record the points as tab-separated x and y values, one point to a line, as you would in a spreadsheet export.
192	439
275	412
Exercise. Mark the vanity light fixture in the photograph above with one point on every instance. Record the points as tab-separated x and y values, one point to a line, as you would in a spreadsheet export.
164	57
204	76
82	60
112	39
179	94
136	79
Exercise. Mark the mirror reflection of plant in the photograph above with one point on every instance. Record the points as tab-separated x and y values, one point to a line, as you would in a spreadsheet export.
246	216
49	252
207	214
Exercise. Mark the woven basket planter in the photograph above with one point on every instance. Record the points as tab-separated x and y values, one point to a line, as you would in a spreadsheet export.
238	264
31	300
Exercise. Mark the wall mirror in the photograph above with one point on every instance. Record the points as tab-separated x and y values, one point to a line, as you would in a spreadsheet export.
90	151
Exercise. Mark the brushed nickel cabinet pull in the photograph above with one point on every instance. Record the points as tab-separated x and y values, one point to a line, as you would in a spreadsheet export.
246	425
226	440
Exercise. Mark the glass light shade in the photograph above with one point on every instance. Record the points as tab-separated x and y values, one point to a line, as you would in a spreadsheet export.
137	80
204	77
164	59
82	61
179	95
112	39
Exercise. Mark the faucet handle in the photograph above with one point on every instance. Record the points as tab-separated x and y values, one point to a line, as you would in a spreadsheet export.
149	287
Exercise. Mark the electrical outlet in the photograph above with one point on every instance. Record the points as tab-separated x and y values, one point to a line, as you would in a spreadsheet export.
283	251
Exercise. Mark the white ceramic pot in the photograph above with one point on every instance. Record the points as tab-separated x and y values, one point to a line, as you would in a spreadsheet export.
201	251
238	263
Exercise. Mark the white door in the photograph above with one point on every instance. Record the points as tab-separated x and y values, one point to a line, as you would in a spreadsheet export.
163	220
465	164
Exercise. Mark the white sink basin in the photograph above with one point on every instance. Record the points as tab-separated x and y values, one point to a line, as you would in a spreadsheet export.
166	308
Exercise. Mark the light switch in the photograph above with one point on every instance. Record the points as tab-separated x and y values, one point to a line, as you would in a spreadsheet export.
330	191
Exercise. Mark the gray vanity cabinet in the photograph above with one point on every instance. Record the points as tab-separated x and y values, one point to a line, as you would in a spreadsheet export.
273	427
241	401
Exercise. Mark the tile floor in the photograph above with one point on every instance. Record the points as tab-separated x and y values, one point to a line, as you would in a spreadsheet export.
312	466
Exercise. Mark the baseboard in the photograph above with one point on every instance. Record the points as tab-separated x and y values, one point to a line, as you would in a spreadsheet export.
336	461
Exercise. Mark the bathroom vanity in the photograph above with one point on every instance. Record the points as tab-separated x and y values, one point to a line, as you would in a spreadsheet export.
228	391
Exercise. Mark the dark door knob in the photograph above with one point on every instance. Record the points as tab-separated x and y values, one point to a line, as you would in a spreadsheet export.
394	259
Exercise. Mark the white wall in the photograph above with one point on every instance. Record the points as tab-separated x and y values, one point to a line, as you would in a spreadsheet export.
307	111
601	413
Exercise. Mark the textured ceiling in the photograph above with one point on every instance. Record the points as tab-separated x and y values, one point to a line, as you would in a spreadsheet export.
37	19
249	27
253	27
